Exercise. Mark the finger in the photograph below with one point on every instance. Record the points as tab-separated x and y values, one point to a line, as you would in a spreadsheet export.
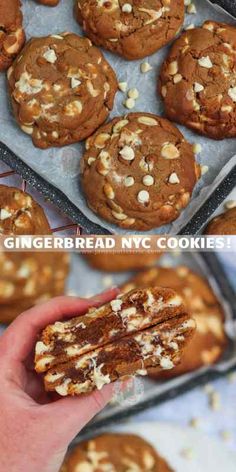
19	339
71	414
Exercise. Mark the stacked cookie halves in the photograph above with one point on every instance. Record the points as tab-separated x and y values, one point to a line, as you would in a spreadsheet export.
26	278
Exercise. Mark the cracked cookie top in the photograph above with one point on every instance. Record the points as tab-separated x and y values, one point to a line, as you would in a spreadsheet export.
12	36
198	80
133	29
138	171
61	89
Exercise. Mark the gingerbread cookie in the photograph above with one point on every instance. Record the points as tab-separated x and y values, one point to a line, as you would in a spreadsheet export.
114	452
209	340
49	3
20	214
138	171
132	29
61	89
12	36
223	224
197	80
121	262
142	329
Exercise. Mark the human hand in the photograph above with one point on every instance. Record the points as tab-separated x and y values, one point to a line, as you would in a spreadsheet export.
35	427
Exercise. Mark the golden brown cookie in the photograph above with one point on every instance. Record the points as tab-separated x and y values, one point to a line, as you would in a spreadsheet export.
197	80
29	278
133	29
20	214
49	3
209	340
114	452
62	89
121	262
138	171
12	36
223	224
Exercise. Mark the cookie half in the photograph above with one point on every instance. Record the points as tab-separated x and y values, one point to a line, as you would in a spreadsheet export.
223	224
115	452
62	89
12	36
138	171
132	29
197	80
20	214
209	340
142	329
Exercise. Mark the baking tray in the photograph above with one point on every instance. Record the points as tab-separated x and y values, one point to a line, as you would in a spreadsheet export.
58	197
209	265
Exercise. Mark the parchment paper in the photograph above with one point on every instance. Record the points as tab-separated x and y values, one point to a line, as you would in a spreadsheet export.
61	166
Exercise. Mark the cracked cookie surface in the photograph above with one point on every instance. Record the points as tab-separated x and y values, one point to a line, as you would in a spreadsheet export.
138	171
223	224
133	29
61	89
12	36
21	214
209	340
114	452
198	80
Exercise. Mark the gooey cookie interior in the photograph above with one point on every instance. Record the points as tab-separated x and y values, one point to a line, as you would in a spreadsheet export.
61	89
130	28
138	171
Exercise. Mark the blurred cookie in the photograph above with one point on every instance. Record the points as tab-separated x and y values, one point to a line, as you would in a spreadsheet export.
12	36
223	224
209	340
29	278
197	80
132	29
20	214
138	171
114	452
121	262
61	89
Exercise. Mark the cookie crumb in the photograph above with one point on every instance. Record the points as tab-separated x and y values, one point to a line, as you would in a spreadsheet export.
191	9
133	93
197	148
204	170
194	423
145	67
228	205
129	103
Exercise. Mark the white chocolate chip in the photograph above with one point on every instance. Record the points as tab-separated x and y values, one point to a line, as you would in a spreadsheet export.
230	204
173	68
148	180
187	2
133	93
74	108
127	153
177	78
174	179
129	103
198	87
147	120
197	148
170	151
27	129
75	82
116	304
4	214
191	9
143	196
204	169
91	160
50	56
122	86
145	67
127	8
129	181
164	91
232	93
205	61
190	26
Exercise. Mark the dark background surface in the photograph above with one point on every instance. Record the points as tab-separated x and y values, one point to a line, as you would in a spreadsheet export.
229	5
